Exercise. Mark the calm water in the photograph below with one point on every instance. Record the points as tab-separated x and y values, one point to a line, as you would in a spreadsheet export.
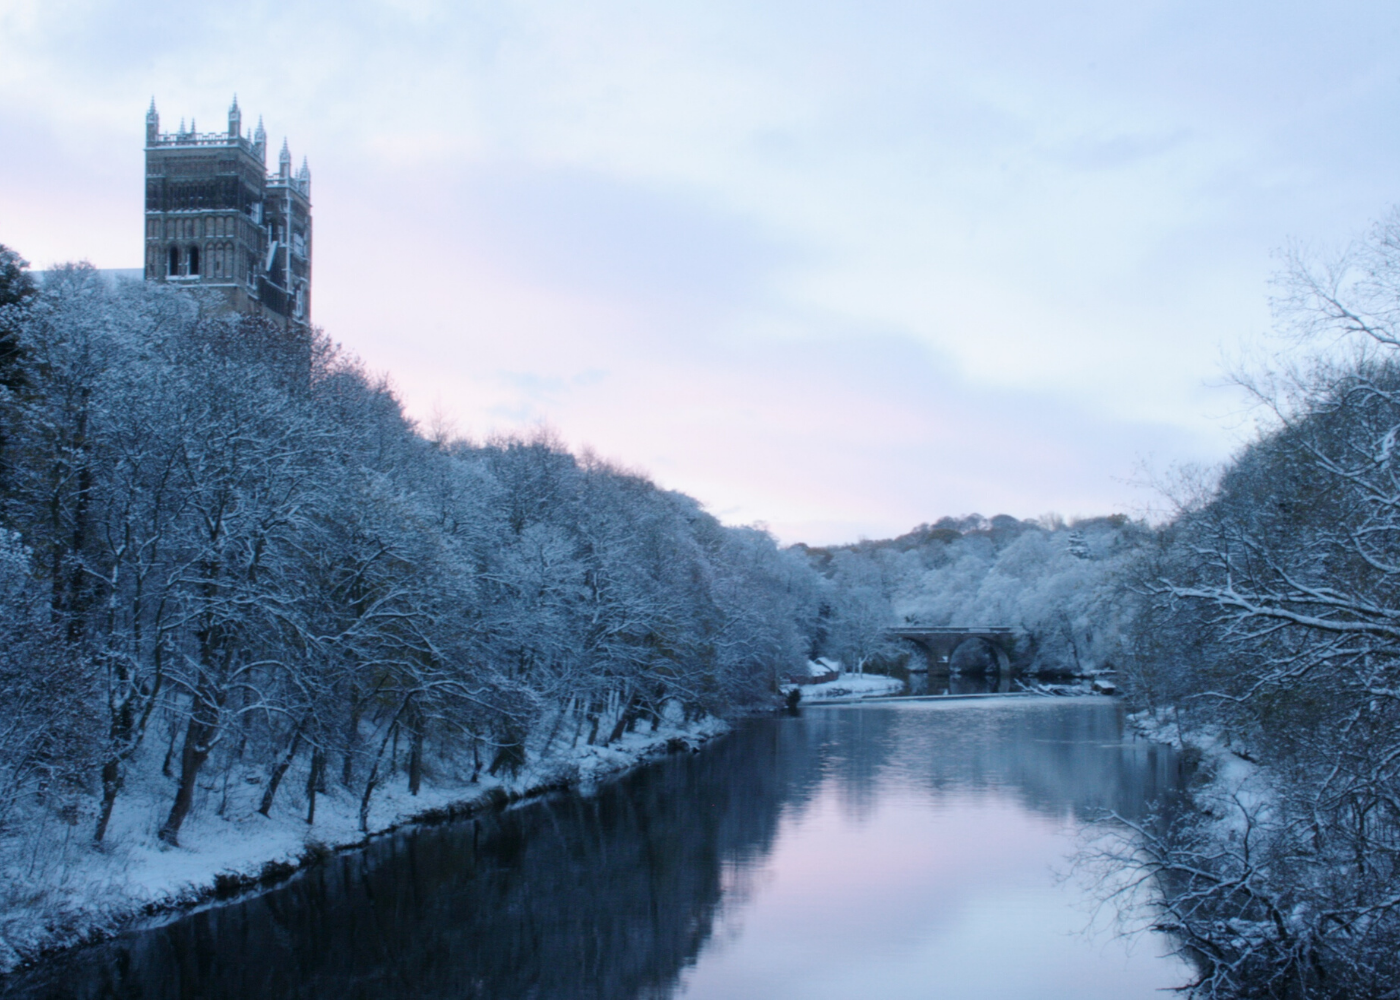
896	850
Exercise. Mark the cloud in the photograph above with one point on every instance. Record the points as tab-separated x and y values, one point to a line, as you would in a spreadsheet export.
845	266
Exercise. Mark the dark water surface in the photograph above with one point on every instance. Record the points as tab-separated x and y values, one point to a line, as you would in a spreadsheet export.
897	850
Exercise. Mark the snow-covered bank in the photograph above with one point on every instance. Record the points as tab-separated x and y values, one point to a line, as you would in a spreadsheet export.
853	686
58	890
1225	784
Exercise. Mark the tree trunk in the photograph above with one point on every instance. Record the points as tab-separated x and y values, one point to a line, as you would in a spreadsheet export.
510	756
111	785
373	780
554	727
585	709
170	750
313	783
370	784
118	747
624	721
415	757
199	733
280	771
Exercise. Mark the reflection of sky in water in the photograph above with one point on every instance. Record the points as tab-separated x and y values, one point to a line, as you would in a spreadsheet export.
925	863
872	851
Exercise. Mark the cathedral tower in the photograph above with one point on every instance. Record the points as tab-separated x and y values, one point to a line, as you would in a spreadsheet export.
215	218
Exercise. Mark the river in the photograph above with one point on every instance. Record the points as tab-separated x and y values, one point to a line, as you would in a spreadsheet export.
904	849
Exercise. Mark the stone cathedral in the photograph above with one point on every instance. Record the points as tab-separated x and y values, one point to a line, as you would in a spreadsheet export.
216	218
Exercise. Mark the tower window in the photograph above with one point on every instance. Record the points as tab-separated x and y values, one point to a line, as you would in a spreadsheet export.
174	268
194	260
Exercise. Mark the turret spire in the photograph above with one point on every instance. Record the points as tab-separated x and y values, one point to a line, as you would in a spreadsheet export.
152	123
284	161
235	119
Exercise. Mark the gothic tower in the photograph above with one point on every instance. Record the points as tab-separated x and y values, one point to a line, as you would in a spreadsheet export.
215	218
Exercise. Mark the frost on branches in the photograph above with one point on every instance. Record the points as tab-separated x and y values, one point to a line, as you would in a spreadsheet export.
237	584
1273	616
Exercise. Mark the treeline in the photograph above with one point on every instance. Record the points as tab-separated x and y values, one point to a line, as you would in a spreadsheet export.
228	550
1267	617
225	548
1060	584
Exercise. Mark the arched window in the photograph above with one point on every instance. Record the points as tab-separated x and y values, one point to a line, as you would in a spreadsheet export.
174	268
194	260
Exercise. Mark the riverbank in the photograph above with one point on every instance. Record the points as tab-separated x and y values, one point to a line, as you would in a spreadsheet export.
60	891
852	686
1225	784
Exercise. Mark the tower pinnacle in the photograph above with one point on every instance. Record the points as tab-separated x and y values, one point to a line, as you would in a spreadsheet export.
217	219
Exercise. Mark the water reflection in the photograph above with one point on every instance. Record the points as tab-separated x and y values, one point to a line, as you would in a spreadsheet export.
886	843
935	682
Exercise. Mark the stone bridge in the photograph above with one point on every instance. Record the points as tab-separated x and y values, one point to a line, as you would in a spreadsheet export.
940	642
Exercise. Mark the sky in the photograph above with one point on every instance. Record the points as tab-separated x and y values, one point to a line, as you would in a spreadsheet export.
835	268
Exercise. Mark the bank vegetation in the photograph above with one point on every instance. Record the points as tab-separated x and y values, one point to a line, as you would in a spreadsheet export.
236	579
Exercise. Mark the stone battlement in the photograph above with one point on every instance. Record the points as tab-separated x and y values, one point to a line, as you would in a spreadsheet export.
216	217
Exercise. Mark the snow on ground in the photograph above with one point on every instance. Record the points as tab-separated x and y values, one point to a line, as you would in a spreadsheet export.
57	890
1229	782
853	686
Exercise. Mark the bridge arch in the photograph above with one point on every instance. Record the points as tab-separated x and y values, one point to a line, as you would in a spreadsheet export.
940	643
1001	660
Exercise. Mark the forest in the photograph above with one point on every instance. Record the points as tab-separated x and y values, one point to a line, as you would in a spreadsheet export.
228	559
226	554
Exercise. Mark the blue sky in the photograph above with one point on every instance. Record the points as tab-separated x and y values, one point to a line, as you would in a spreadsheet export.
834	267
